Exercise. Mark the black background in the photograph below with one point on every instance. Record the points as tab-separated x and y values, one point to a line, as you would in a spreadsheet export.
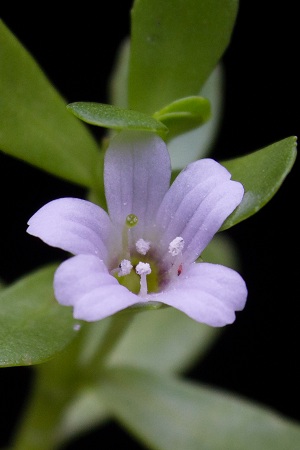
257	356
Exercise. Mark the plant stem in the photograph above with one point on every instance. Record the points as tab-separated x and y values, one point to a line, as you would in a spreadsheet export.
59	381
37	429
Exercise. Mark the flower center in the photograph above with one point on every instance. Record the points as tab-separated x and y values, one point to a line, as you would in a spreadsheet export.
140	270
143	277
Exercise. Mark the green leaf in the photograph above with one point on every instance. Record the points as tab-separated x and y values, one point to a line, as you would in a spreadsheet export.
192	144
222	250
198	143
175	45
165	341
110	116
169	414
184	114
118	82
261	173
33	326
35	125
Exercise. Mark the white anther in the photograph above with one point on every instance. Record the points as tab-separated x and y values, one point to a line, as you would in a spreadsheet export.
176	246
142	246
125	268
143	269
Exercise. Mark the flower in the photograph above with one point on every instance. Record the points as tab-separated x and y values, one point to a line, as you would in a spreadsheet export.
144	249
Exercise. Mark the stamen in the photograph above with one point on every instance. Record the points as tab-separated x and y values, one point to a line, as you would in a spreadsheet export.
143	269
176	246
142	246
125	268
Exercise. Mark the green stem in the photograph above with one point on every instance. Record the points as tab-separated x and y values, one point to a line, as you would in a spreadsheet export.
37	429
58	382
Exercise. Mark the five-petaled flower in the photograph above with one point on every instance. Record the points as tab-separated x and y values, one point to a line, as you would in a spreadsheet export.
144	249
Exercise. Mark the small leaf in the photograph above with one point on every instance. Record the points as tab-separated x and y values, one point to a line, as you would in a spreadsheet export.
33	326
184	114
261	173
110	116
34	123
198	143
165	413
175	45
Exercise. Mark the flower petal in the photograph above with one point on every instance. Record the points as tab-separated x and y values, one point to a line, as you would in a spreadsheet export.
196	205
84	282
137	173
74	225
208	293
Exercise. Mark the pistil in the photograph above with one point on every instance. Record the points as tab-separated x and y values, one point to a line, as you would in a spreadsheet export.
130	222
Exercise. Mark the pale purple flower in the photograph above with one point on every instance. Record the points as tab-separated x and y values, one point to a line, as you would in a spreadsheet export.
145	249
